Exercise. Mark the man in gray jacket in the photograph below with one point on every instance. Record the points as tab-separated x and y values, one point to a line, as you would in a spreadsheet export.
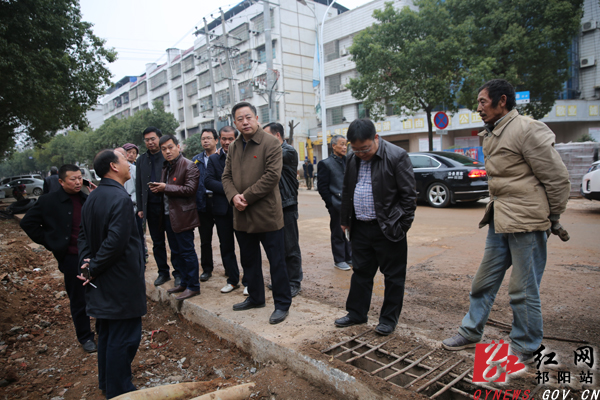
529	189
330	174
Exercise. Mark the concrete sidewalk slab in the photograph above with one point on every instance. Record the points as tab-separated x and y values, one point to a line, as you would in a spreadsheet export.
286	343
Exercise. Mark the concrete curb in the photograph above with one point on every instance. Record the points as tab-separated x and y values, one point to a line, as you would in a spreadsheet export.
260	346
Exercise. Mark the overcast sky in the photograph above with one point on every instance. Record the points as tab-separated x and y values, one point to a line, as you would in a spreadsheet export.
142	31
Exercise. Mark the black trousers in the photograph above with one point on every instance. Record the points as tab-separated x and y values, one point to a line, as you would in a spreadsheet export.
118	341
252	263
69	266
225	232
155	212
207	222
340	247
183	256
293	256
372	250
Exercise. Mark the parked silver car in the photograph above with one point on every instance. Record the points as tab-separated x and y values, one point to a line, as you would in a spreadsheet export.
33	186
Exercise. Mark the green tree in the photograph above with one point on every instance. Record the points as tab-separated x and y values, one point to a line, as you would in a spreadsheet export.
193	146
52	68
526	42
409	59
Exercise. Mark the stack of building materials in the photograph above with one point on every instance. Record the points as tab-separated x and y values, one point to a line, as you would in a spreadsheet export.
577	157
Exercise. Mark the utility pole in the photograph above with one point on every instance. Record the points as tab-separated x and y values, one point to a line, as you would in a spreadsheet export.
210	72
269	57
232	95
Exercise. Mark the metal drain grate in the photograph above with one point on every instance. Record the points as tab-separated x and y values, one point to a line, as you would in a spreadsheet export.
448	380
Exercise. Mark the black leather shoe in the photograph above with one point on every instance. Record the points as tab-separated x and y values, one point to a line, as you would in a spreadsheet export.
295	290
270	286
278	316
176	289
246	305
161	279
177	281
384	329
346	321
89	347
205	276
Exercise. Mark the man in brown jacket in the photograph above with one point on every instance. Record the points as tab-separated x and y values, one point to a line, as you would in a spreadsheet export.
529	189
251	184
178	184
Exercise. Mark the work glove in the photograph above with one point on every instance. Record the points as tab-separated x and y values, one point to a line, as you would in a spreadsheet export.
557	229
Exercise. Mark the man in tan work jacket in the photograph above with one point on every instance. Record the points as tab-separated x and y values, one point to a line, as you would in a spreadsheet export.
251	183
529	188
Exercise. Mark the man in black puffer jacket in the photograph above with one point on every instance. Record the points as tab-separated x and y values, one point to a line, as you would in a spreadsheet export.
288	188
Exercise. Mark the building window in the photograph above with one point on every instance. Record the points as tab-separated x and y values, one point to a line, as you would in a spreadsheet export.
195	111
158	80
335	115
243	62
180	114
188	63
126	113
179	92
125	98
206	103
240	34
222	98
333	83
221	72
202	54
142	89
263	113
117	102
245	90
331	50
362	111
262	53
175	71
207	125
133	93
191	88
258	22
134	110
204	80
144	106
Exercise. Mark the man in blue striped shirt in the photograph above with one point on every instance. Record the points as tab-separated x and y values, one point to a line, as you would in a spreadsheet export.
378	207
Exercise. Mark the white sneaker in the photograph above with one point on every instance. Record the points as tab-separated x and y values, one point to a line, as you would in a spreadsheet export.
342	266
246	291
228	288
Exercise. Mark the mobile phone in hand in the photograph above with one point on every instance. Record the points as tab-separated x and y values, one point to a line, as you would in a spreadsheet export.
86	182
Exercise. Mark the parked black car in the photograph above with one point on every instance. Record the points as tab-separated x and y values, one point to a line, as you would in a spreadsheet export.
444	178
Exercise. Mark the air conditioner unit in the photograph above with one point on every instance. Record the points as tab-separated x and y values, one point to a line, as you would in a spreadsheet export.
588	26
344	52
585	62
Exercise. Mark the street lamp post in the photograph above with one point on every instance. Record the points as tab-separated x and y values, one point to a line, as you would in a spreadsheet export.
322	79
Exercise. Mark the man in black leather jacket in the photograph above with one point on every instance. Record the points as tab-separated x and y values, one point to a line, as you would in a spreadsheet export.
378	207
329	184
288	188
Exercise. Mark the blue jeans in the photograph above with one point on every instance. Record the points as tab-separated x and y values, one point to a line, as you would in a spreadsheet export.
526	252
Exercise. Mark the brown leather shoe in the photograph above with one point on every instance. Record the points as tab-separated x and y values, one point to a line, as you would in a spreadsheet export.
187	294
176	289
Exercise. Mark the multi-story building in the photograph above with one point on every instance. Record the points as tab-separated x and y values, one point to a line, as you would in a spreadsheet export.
238	59
575	113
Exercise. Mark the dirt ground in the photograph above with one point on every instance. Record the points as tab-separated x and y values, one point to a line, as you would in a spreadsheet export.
40	357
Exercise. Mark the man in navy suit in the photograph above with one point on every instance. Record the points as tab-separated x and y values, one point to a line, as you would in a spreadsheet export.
222	210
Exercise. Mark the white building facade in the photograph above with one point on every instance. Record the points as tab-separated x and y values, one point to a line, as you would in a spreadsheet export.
570	118
239	67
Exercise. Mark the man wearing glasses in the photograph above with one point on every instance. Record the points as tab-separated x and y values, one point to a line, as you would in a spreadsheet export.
378	208
149	169
330	173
